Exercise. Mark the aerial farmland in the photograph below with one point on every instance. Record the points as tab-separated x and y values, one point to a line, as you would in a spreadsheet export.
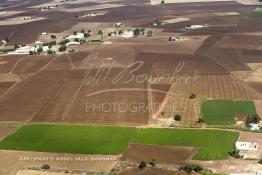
126	87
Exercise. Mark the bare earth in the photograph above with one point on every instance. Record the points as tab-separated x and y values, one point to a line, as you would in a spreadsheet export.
12	161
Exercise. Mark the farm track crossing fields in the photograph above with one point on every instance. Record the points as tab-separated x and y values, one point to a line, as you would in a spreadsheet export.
212	144
222	112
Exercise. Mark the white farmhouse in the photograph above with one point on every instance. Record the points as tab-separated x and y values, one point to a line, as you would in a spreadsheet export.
246	146
127	34
196	26
254	127
72	43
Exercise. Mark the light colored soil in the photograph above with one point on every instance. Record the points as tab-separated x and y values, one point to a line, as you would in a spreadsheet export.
92	7
154	2
175	20
9	13
232	166
57	2
12	161
255	75
35	172
9	77
18	20
259	107
5	130
227	13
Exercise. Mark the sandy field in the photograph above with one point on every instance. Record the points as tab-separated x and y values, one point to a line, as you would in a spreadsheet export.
57	2
12	161
9	77
226	13
175	20
35	172
92	7
19	20
9	13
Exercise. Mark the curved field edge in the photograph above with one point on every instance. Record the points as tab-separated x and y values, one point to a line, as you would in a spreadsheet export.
113	140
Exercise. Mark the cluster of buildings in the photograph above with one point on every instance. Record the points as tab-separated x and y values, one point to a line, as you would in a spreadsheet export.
248	150
75	39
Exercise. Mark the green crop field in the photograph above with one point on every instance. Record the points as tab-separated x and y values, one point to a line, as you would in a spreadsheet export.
212	144
222	112
70	139
257	13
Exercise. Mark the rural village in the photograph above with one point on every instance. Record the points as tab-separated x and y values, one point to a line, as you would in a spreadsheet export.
131	87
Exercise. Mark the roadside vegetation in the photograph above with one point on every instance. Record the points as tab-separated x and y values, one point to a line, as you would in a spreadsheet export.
257	13
212	144
223	112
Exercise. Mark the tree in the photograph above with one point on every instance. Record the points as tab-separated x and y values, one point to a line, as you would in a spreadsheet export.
163	2
50	52
83	31
45	167
86	35
120	32
53	36
252	119
16	46
77	40
200	120
191	167
152	162
62	48
40	49
6	39
136	32
235	153
75	33
142	164
177	117
31	53
260	161
192	96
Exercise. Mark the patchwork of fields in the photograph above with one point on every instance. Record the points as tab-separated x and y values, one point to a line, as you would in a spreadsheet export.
113	140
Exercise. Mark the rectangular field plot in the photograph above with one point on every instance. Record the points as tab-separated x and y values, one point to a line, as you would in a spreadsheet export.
222	112
70	139
212	144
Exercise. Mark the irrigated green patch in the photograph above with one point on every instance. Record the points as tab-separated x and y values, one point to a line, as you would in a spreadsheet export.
212	144
222	112
257	13
70	139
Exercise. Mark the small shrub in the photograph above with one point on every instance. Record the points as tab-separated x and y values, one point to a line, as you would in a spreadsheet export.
62	48
152	162
235	153
200	120
252	119
177	117
191	167
53	36
192	96
142	164
45	167
260	161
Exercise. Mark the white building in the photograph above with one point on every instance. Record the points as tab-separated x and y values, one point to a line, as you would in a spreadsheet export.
127	34
25	50
77	36
196	26
72	43
118	24
246	146
254	127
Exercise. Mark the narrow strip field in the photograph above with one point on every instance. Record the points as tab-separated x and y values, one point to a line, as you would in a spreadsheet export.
113	140
222	112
